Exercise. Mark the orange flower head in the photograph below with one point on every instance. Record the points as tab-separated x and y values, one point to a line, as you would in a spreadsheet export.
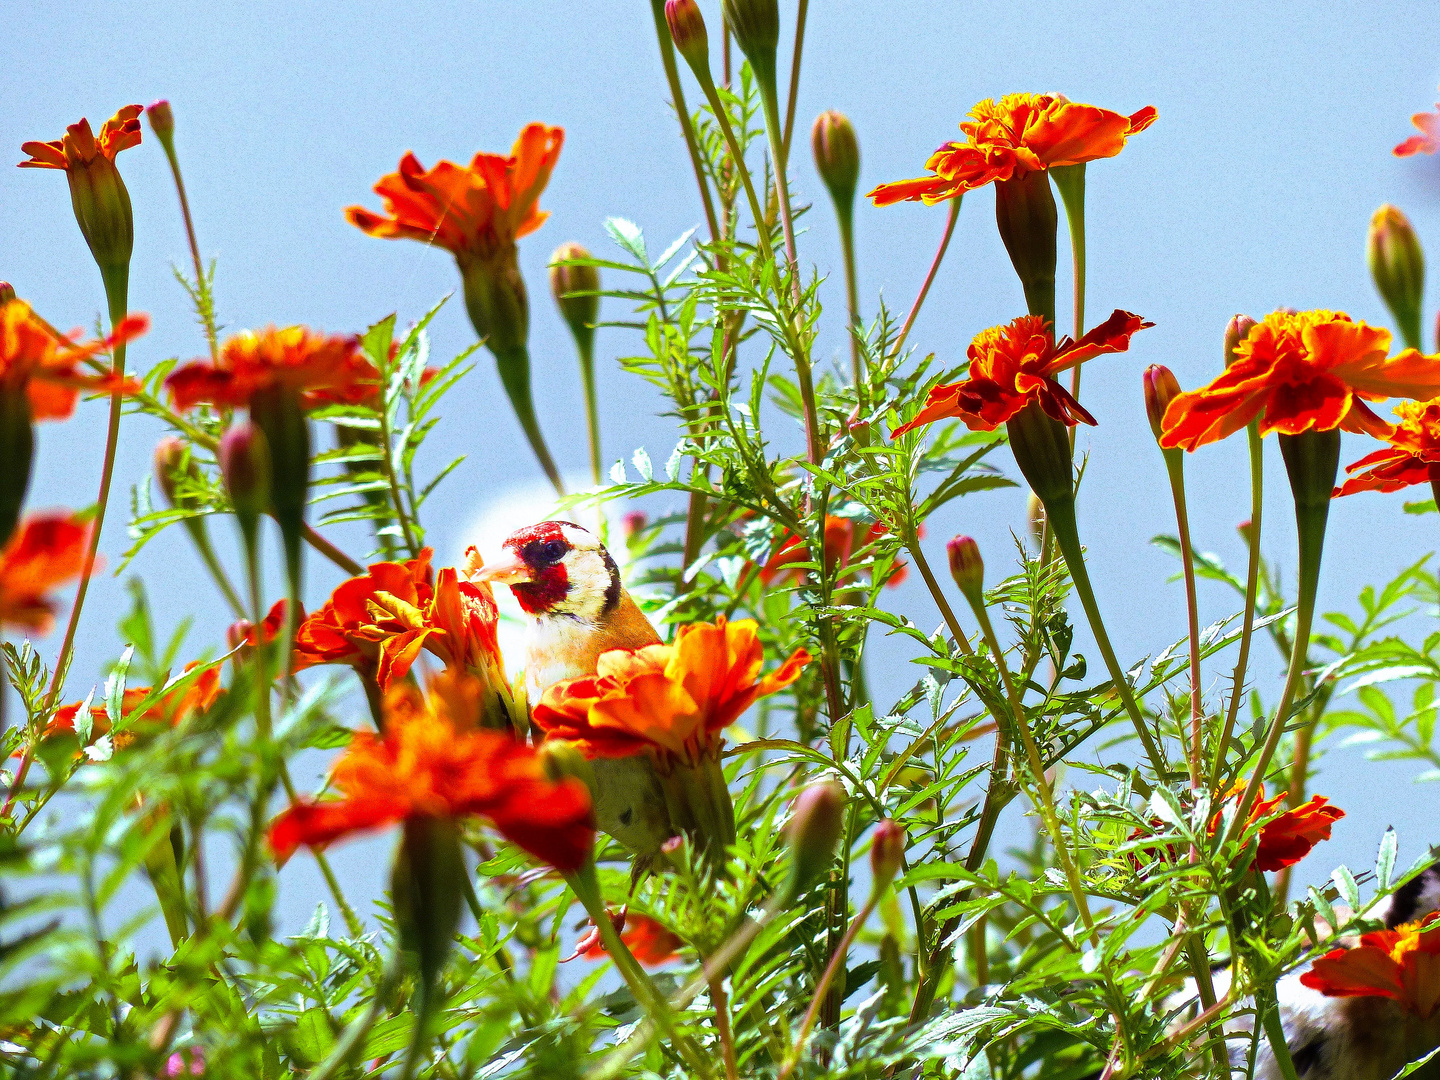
339	633
477	210
46	368
45	551
79	147
1015	364
839	534
433	762
1302	371
648	940
169	710
1401	964
1018	135
363	389
243	632
672	700
1428	141
1413	456
295	360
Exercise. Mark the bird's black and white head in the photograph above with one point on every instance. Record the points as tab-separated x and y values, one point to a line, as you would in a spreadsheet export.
557	570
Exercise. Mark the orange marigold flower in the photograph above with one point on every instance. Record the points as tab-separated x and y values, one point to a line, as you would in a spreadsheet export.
648	940
1428	141
168	710
1401	964
433	762
363	389
295	359
1019	134
1413	456
674	700
1302	371
337	633
79	146
468	211
45	551
46	368
1015	364
242	632
839	535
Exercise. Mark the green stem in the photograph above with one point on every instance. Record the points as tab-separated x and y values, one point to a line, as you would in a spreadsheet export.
592	406
514	368
762	232
117	287
1060	515
331	552
1175	466
846	217
201	537
1070	179
1252	579
912	545
1269	1009
929	277
202	289
677	96
794	80
387	455
837	959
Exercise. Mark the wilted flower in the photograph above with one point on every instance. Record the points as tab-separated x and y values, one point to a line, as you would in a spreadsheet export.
1008	139
1302	371
1401	964
433	762
1015	364
45	551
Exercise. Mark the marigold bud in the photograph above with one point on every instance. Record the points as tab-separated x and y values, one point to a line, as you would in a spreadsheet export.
687	29
162	120
1236	331
756	26
576	292
561	760
632	524
7	292
837	157
1161	388
426	887
1398	266
1026	216
887	852
967	568
816	820
172	459
245	464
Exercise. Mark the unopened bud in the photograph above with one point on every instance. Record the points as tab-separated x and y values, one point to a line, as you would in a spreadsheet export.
687	29
172	460
162	120
837	157
7	292
1161	388
576	292
245	464
1246	529
887	852
967	568
633	524
1398	266
756	26
562	761
1236	331
816	821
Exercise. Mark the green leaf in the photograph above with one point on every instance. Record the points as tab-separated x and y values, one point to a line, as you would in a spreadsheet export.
1385	861
1345	882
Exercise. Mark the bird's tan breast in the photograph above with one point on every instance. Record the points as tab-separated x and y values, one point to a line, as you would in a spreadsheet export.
566	648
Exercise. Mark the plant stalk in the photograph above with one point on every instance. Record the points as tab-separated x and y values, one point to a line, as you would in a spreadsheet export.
929	277
1252	590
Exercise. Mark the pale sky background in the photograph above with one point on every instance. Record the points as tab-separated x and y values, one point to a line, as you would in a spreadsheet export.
1252	191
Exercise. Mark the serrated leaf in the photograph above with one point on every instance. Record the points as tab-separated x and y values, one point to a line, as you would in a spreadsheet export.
1385	861
672	464
115	687
1345	882
643	465
617	472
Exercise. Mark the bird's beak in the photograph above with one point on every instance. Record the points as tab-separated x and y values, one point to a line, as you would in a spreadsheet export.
510	570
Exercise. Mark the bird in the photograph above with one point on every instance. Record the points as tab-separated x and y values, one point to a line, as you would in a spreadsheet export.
568	584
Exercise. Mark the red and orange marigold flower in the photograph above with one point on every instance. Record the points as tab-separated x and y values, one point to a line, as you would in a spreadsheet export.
1428	141
80	145
47	369
1302	371
294	359
672	700
46	550
472	210
648	940
1016	364
434	762
1019	134
168	710
839	536
1401	964
1413	456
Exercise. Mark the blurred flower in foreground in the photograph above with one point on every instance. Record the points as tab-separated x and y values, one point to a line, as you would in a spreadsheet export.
1018	135
45	551
1413	456
168	710
647	939
839	535
294	359
433	763
1302	371
97	193
46	369
1401	964
1428	141
1015	364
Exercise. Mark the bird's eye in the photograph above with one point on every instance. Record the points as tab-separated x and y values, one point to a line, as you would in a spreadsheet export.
553	550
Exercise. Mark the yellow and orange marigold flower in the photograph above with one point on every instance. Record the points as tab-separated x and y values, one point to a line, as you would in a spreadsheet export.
47	369
1302	371
434	762
1413	456
337	632
1019	134
168	710
1428	141
79	146
45	551
294	359
1401	964
470	210
1015	364
673	700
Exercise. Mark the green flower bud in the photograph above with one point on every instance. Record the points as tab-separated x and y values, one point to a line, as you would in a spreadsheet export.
837	157
576	291
816	821
245	466
687	29
1161	388
1025	213
887	852
756	26
1236	331
967	568
162	120
1398	266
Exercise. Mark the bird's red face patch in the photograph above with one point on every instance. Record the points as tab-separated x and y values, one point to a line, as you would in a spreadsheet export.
542	548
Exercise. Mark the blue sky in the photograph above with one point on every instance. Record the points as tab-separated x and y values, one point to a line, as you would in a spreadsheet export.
1253	190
